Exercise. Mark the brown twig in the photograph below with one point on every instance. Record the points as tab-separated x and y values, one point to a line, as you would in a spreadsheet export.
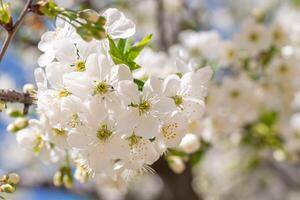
11	31
18	97
160	20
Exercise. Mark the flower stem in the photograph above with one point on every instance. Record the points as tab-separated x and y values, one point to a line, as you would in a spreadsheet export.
12	30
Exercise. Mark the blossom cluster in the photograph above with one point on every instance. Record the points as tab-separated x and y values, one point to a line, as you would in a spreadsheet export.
93	111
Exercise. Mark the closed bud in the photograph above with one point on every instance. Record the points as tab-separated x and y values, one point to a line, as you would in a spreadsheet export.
14	113
176	164
21	122
13	178
5	17
67	181
89	15
7	188
57	179
47	7
84	33
99	33
190	143
12	128
101	21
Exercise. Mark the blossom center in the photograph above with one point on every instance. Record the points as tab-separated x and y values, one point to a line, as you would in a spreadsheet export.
64	93
103	133
253	37
144	107
58	132
277	35
80	66
101	88
234	93
38	144
177	100
283	68
75	120
168	131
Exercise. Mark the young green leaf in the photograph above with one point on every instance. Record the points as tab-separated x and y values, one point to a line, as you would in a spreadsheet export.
123	53
139	83
136	49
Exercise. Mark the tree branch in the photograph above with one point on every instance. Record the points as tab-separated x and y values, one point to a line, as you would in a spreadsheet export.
160	20
14	96
12	30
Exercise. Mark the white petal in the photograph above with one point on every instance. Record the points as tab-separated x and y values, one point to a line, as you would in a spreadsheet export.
129	92
152	87
173	129
117	25
65	51
164	105
46	59
54	73
77	83
121	72
40	79
117	147
193	108
79	140
171	85
147	127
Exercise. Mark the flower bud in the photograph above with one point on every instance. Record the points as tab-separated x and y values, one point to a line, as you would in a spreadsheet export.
21	122
89	15
190	143
28	88
99	33
57	179
14	113
13	178
47	7
84	33
5	17
176	164
7	188
67	181
12	128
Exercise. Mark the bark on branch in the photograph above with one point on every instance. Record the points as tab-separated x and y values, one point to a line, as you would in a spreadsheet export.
11	31
17	97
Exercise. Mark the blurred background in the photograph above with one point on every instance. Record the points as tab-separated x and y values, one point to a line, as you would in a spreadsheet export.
166	19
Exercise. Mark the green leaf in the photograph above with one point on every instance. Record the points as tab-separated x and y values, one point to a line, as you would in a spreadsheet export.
123	45
122	52
136	49
198	155
139	83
